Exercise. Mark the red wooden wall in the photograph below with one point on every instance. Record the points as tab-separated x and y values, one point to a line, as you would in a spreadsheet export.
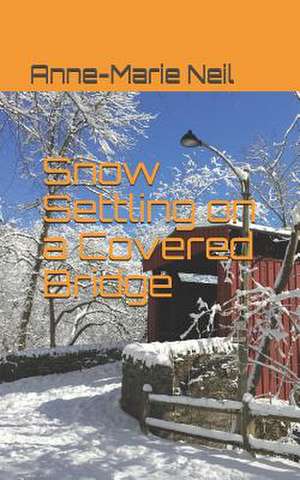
265	272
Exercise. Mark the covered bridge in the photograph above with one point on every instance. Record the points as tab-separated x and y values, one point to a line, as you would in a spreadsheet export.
168	318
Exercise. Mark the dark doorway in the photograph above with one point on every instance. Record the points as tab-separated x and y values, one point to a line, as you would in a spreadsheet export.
174	313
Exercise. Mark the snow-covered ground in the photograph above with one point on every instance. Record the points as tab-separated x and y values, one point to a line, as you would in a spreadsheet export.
70	427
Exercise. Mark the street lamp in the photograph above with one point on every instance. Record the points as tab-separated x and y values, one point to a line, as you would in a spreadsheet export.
190	140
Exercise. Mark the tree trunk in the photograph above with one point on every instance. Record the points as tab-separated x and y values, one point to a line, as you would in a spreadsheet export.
26	314
52	324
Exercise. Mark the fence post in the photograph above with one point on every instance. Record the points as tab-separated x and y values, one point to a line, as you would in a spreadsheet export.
247	422
147	389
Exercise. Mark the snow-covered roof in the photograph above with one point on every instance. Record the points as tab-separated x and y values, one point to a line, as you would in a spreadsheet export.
253	226
269	242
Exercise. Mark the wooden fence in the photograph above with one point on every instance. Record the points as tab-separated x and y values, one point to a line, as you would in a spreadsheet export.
247	410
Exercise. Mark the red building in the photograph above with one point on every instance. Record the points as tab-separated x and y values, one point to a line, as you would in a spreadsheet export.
169	318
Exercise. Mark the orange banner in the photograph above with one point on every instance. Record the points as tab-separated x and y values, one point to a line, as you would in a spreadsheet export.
165	45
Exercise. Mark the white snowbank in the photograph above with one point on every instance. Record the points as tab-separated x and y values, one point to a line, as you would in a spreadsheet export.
163	353
71	427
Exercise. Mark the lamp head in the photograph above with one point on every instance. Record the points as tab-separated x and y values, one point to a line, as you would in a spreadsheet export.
190	140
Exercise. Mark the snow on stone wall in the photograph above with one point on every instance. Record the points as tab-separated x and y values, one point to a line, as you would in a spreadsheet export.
163	353
62	350
205	368
31	363
167	366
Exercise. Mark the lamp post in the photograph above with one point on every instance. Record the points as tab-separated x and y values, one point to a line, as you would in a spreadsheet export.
190	140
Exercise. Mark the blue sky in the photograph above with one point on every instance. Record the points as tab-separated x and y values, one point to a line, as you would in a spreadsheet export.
231	121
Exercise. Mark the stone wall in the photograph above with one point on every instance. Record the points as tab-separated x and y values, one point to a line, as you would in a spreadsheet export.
204	369
168	367
18	365
135	375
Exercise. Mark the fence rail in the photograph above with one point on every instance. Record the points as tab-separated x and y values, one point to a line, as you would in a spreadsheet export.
194	431
247	410
229	406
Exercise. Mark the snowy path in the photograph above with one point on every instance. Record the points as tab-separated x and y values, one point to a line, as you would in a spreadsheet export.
70	427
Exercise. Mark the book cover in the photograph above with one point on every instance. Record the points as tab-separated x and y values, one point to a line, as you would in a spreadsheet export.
149	241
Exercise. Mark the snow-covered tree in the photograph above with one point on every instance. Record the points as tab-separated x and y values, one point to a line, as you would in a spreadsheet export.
196	182
66	124
275	175
274	170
